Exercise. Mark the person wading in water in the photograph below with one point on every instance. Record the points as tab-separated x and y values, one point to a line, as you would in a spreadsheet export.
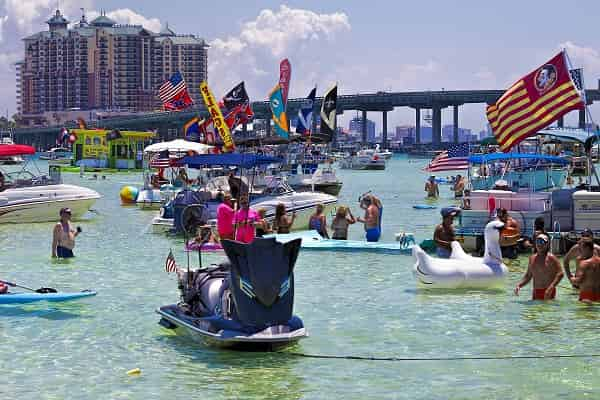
444	234
545	270
63	238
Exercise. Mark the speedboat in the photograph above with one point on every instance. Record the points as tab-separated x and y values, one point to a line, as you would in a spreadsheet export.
366	159
57	155
385	153
27	198
245	304
13	159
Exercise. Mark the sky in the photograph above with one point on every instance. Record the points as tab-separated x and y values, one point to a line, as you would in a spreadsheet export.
363	46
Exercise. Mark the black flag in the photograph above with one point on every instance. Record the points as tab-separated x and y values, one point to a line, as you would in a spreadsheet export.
236	97
577	76
328	117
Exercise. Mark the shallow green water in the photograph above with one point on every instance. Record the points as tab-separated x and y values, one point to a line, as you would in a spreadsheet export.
360	305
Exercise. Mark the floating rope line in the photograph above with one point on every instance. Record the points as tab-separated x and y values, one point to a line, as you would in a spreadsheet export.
458	358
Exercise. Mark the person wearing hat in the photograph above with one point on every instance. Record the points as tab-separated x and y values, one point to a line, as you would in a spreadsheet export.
444	233
63	238
431	187
587	277
574	253
545	270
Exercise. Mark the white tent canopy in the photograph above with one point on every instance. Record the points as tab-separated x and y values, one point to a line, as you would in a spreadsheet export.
178	146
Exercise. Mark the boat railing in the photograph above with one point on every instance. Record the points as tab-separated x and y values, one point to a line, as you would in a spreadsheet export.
510	203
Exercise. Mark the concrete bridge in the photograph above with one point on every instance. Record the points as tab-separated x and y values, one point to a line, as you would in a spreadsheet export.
365	102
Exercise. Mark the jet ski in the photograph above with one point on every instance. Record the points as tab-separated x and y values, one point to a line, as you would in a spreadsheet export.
245	303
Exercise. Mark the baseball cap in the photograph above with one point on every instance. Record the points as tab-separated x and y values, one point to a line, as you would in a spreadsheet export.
587	232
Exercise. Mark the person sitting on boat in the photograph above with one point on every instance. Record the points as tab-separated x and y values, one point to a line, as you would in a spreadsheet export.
371	219
244	221
544	268
225	216
318	221
459	187
342	220
575	252
155	181
431	187
282	223
262	225
63	237
510	234
206	235
587	277
444	235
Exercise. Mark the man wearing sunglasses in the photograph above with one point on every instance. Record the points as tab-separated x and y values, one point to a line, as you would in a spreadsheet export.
545	270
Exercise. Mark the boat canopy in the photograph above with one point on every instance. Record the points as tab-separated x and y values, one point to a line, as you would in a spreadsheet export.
569	134
178	146
229	160
486	158
9	150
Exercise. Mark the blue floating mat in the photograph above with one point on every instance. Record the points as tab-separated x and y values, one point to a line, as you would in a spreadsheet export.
23	297
311	240
424	207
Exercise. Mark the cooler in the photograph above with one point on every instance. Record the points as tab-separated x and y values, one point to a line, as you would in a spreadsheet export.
586	210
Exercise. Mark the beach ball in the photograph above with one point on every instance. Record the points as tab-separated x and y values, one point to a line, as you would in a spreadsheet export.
128	194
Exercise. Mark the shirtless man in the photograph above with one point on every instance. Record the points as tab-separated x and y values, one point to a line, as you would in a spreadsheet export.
431	187
459	187
544	268
371	219
588	272
510	234
574	253
444	235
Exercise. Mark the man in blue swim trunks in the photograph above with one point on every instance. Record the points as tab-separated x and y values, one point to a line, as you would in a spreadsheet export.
444	234
371	219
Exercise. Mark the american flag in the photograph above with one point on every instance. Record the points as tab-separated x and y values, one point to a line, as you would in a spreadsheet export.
160	160
170	265
455	158
174	94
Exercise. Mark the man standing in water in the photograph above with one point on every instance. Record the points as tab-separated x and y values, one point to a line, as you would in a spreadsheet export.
63	238
431	187
444	234
459	187
575	252
371	219
588	272
545	270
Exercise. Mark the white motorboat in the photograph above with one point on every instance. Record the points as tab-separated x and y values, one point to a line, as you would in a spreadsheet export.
366	159
322	179
385	153
57	155
27	198
9	159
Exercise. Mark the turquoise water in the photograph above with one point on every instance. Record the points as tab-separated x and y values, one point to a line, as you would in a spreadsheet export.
359	305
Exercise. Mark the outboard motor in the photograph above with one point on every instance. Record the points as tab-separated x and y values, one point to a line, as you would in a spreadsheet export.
262	282
182	200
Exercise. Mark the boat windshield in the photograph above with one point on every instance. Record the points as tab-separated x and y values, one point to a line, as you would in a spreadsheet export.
277	187
27	177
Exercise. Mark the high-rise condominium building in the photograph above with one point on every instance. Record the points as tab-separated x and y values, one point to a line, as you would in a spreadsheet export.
104	66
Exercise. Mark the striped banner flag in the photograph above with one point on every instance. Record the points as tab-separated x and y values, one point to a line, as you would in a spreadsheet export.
455	158
534	102
161	160
170	265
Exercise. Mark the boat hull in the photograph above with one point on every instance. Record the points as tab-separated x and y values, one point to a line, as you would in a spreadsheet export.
24	298
268	339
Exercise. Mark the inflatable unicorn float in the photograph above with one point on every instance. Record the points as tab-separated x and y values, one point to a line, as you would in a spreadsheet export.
462	271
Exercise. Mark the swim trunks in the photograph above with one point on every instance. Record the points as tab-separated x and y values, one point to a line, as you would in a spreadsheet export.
63	252
589	296
442	252
538	294
373	234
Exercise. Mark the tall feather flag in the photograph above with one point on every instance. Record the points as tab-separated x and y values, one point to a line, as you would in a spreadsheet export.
328	116
170	264
278	110
534	102
285	76
305	114
217	117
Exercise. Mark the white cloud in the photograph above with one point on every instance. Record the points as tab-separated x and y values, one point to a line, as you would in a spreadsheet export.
27	14
586	57
2	23
7	61
128	16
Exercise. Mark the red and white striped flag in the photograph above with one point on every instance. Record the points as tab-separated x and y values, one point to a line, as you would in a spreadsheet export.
170	264
161	160
456	158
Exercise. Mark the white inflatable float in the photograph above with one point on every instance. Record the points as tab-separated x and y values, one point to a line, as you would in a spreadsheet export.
462	270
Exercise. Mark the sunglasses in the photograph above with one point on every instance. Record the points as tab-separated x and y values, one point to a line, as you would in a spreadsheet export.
541	241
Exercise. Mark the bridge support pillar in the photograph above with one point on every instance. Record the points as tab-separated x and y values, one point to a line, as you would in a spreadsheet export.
582	119
364	127
455	130
561	122
436	134
417	125
384	134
